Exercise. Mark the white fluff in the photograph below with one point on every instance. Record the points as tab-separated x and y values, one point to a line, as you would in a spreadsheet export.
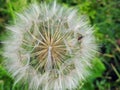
45	48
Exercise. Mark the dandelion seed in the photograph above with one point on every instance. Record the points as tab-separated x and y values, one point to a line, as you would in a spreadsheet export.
50	47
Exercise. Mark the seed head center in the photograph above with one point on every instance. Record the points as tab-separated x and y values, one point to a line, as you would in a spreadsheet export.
53	45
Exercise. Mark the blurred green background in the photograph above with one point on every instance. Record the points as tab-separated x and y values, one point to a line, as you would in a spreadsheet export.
104	15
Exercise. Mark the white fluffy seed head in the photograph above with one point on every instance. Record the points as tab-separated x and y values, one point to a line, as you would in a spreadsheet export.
50	47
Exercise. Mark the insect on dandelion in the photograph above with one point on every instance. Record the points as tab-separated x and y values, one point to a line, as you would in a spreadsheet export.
51	47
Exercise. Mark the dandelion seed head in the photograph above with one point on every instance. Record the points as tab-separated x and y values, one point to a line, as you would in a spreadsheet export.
50	47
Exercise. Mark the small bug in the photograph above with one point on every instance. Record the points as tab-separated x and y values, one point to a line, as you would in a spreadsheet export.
79	37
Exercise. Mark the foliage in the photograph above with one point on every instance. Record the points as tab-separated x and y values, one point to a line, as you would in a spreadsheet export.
104	15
